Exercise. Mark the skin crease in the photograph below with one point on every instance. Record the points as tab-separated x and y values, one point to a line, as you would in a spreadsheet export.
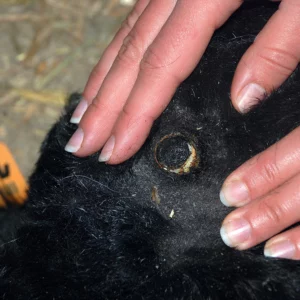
154	51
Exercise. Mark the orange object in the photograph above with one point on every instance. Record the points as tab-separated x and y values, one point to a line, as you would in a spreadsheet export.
13	187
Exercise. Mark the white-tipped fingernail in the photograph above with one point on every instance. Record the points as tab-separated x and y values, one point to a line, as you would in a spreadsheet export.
235	232
280	248
234	193
107	149
249	96
79	111
75	141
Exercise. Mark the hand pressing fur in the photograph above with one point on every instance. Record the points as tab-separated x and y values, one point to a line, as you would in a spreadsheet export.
157	47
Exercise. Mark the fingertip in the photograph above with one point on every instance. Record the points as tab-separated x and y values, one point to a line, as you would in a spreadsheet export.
236	233
75	141
223	199
107	150
280	247
249	96
248	89
234	193
79	111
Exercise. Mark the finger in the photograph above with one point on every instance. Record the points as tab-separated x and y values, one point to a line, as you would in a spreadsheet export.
263	172
168	61
250	225
273	56
284	245
106	107
101	69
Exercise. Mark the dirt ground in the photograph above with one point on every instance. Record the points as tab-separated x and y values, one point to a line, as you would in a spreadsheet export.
47	50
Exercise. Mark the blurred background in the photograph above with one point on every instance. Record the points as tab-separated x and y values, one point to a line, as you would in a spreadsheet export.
47	50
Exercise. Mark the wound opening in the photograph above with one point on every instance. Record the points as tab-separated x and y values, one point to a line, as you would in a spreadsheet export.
176	154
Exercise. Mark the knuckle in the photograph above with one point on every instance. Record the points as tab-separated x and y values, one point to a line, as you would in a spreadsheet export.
271	211
99	106
157	60
129	22
98	72
153	59
96	105
131	49
270	172
281	60
126	113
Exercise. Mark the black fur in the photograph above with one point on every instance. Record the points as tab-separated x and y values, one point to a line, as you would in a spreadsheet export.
93	231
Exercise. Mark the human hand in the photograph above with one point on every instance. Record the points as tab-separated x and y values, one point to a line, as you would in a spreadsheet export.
138	74
267	186
156	48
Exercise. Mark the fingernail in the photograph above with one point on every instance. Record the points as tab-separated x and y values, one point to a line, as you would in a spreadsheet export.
249	96
75	141
107	149
280	248
235	232
234	193
79	111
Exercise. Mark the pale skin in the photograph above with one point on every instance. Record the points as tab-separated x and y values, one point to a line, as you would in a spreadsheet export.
156	48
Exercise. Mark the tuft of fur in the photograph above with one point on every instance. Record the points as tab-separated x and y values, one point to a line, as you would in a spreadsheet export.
94	231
